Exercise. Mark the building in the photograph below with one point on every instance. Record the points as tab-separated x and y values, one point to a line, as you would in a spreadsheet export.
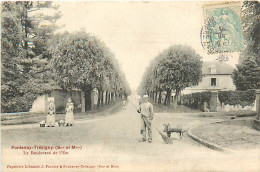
216	77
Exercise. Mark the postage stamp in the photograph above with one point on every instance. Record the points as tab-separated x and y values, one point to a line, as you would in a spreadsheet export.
222	30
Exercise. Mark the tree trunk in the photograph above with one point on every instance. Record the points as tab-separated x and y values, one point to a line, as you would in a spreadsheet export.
155	99
160	97
175	98
83	105
179	97
112	96
106	98
102	98
165	99
88	99
92	99
99	97
46	104
168	95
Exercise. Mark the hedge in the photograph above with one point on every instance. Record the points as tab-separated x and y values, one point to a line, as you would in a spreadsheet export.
243	98
18	103
196	100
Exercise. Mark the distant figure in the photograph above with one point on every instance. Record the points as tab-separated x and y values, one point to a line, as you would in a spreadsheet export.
124	104
50	120
146	110
69	119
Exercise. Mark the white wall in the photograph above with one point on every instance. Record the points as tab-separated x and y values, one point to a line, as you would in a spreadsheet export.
224	82
39	104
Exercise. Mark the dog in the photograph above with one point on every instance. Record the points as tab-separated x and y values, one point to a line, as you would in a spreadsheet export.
169	130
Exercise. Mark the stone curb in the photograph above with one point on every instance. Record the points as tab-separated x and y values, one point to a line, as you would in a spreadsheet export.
206	143
256	124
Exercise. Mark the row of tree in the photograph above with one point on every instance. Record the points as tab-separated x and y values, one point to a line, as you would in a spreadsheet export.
179	67
35	61
84	62
173	69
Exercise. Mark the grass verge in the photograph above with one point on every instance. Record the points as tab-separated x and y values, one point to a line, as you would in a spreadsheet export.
30	118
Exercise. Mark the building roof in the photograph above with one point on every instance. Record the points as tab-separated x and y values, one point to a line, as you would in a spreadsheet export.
221	68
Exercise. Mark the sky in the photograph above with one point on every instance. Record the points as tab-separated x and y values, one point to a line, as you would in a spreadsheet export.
138	31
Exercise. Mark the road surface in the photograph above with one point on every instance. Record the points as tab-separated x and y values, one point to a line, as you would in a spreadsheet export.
111	144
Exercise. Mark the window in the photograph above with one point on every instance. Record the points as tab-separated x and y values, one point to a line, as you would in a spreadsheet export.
213	82
213	69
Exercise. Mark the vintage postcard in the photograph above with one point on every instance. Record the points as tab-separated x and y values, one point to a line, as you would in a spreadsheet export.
130	86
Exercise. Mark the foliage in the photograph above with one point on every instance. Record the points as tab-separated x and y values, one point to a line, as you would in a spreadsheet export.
243	98
25	32
82	61
175	68
247	75
196	100
251	30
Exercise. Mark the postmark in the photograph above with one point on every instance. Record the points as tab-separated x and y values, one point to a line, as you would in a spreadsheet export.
222	30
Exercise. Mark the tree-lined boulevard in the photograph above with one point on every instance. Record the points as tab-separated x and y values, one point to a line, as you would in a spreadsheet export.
113	140
79	73
36	61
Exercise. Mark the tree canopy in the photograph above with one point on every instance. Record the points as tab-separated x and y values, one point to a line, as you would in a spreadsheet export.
175	68
25	33
82	61
36	61
247	74
251	30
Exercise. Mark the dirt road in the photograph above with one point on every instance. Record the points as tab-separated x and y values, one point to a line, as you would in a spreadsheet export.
111	144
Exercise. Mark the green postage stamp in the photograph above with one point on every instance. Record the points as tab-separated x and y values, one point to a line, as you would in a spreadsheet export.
222	31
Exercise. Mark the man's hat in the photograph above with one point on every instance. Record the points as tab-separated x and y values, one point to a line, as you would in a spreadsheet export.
145	96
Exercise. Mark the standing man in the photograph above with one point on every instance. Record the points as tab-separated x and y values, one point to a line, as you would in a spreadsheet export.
146	110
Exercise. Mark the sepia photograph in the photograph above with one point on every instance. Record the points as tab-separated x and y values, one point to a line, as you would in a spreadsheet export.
129	86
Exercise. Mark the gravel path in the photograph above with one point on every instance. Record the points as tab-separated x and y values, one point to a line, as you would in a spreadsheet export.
112	140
